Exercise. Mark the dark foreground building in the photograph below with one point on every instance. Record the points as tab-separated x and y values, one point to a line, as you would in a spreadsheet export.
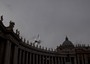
13	50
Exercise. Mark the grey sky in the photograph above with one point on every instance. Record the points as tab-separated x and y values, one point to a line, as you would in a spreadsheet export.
52	19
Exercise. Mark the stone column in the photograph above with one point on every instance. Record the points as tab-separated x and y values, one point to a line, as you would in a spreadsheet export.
75	60
78	59
85	56
52	59
7	53
2	51
27	58
62	60
58	60
40	59
55	60
20	53
46	59
15	61
37	59
30	58
49	59
82	59
33	58
43	59
23	57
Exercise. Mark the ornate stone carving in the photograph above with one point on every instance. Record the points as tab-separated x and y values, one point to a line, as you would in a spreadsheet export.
11	24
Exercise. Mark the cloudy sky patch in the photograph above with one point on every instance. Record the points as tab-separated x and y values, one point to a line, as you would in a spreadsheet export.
52	19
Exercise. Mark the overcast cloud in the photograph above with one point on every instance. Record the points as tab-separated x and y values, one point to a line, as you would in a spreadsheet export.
52	19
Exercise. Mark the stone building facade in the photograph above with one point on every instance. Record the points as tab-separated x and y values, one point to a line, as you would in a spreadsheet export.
15	50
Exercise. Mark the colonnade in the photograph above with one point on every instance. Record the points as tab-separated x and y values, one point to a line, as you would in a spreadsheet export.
29	57
83	58
13	54
25	57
